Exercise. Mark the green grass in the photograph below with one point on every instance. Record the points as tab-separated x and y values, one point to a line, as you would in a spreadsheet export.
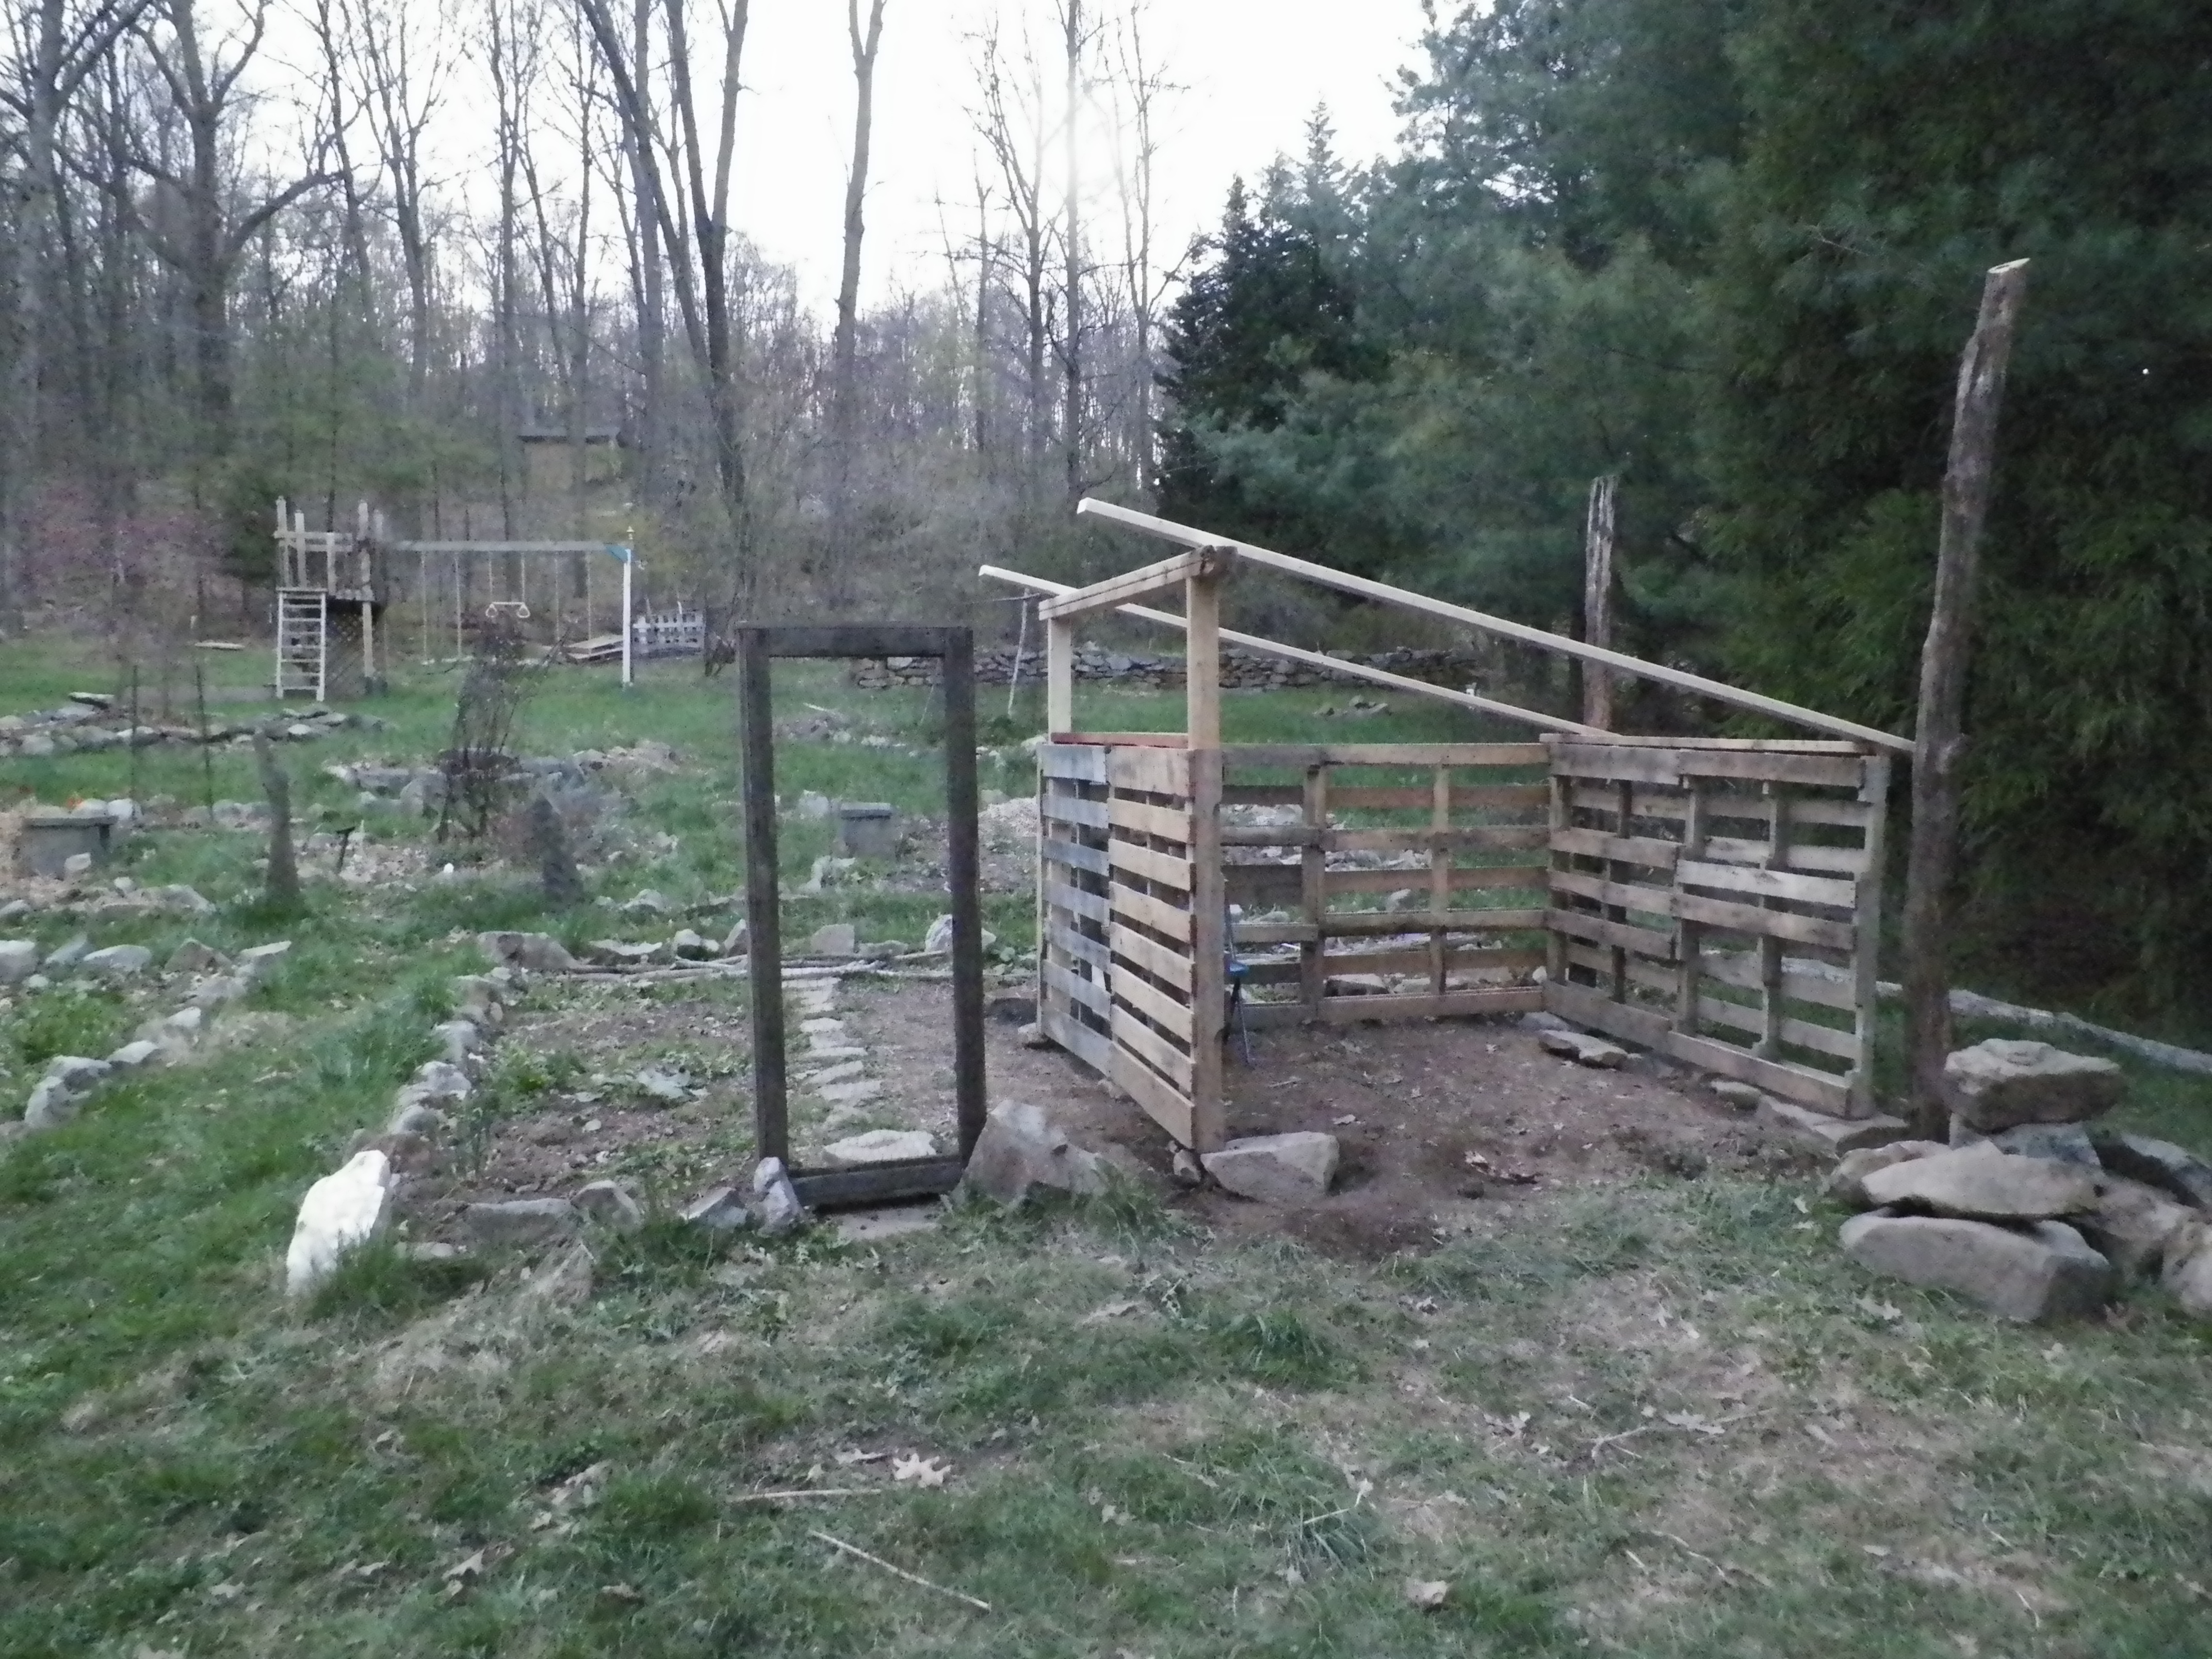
1160	1442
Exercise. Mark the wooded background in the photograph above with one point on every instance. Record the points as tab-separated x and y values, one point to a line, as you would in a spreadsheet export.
1724	251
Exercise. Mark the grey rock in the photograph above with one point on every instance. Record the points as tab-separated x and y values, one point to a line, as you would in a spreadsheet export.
1357	985
411	1116
2133	1225
1538	1020
1020	1148
537	953
1033	1036
2159	1164
2056	1142
1744	1096
658	1082
1582	1048
118	961
218	989
612	1204
257	961
13	909
35	745
1011	1008
939	939
647	902
131	1055
689	944
2188	1272
19	960
1283	1168
1981	1182
459	1040
2005	1081
2032	1273
718	1211
38	982
881	1146
439	1079
739	941
776	1201
523	1220
622	953
479	1000
194	957
62	1088
813	806
1835	1136
837	939
64	957
184	900
1846	1182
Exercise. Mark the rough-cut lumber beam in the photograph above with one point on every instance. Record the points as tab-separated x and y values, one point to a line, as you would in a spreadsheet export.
1204	561
1559	644
498	547
1298	654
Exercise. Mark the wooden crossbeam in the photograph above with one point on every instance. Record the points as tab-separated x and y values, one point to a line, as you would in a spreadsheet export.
1556	643
1204	561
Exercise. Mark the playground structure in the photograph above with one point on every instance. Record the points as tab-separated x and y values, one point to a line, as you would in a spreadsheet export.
335	590
1716	900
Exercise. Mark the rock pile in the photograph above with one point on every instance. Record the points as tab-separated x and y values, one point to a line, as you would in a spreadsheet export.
87	727
2031	1210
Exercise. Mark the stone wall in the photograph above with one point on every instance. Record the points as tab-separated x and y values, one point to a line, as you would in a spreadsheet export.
1241	670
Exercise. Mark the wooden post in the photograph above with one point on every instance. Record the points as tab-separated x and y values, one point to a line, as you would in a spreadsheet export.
1939	741
763	917
1059	677
962	866
1597	602
1866	937
1313	893
1209	948
1202	661
1440	869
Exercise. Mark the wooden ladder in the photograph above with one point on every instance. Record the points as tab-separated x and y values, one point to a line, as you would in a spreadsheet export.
303	642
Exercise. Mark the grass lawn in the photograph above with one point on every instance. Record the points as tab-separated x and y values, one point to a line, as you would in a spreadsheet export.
1664	1419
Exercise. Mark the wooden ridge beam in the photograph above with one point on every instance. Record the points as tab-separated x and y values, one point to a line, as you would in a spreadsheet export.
1202	563
1168	530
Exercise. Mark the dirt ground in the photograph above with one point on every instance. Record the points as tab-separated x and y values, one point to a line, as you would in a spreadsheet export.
1442	1123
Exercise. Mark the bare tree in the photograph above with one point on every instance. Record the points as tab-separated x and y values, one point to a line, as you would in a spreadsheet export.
844	387
1011	122
1136	89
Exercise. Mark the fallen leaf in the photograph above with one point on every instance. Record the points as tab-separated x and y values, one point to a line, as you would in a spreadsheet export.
1111	1310
1427	1593
622	1593
924	1471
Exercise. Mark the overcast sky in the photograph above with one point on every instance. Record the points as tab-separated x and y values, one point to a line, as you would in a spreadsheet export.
1251	71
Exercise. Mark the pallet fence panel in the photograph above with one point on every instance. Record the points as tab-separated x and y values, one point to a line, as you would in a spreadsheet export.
1719	900
1074	909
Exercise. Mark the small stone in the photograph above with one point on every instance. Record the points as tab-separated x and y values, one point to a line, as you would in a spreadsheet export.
1020	1148
2159	1164
118	961
217	990
658	1084
430	1251
1284	1169
182	899
480	1000
1582	1048
719	1211
939	939
775	1200
1832	1135
647	902
76	864
1744	1096
2133	1225
739	940
63	957
622	953
812	805
882	1147
535	953
1538	1020
343	1210
1982	1182
844	1072
409	1154
1033	1036
131	1055
461	1040
855	1093
411	1116
522	1220
19	960
2032	1273
837	939
612	1204
1357	985
688	943
2055	1143
257	961
2005	1081
62	1088
1846	1182
439	1080
194	957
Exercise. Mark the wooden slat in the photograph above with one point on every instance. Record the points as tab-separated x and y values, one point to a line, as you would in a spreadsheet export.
1720	746
1073	855
1081	946
1764	924
1140	1039
1079	762
1073	808
1466	797
1091	994
1091	906
1803	809
1769	884
1125	739
1743	972
1628	896
1670	766
1658	978
1150	771
1651	853
1114	591
1169	823
1511	837
1819	1090
1390	1010
1460	959
1798	855
1800	1033
1362	924
1154	1004
1531	877
1171	1111
1093	1048
1647	1026
1617	935
1300	756
1144	908
1161	961
1163	867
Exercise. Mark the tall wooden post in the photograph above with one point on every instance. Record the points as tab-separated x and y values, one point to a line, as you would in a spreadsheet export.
1059	675
1939	741
1597	602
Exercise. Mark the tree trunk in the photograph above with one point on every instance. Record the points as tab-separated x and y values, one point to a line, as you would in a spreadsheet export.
1939	742
281	889
845	384
1597	602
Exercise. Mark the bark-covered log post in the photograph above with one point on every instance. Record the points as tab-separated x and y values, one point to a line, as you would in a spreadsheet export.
281	888
1939	741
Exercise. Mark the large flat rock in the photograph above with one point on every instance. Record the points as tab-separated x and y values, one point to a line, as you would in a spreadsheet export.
2159	1164
1847	1181
343	1210
1984	1182
2005	1081
2133	1225
1822	1134
2041	1272
1020	1148
1285	1169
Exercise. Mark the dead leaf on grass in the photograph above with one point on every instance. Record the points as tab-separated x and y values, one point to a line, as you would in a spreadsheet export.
628	1593
1111	1310
924	1471
1427	1593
